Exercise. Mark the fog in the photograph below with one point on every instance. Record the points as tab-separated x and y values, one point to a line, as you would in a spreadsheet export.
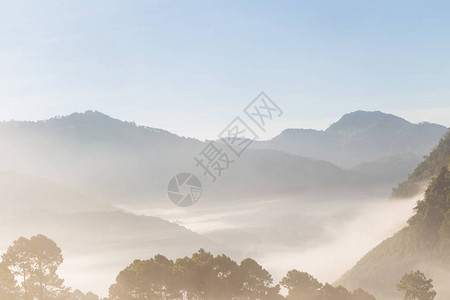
322	238
348	240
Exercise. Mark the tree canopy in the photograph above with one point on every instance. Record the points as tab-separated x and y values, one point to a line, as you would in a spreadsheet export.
204	276
28	272
416	286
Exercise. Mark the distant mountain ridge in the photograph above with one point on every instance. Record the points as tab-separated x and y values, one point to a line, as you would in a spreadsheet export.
358	137
120	162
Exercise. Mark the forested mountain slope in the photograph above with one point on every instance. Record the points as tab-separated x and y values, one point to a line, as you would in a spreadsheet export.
431	166
423	244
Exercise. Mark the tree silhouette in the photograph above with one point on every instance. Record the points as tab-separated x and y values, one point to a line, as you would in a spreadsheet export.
78	295
301	285
8	288
204	276
147	279
35	262
416	286
255	282
201	276
18	260
360	294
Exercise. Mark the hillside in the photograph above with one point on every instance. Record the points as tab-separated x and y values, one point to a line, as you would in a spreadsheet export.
430	167
423	244
359	137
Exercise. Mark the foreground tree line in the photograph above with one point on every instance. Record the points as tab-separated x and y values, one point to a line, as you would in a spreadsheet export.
204	276
28	272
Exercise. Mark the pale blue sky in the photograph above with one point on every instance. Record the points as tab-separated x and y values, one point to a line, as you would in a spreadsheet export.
191	66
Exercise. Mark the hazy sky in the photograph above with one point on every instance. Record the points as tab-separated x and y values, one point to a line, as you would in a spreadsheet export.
191	66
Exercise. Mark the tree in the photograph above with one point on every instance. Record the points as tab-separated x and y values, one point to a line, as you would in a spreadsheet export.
416	286
224	282
78	295
361	294
18	260
256	282
145	279
204	276
301	285
194	274
46	258
36	261
8	287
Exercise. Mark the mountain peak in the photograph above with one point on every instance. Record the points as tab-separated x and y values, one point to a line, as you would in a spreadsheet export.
363	119
89	116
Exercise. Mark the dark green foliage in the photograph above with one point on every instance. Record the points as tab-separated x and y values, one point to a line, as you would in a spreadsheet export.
416	286
425	240
429	168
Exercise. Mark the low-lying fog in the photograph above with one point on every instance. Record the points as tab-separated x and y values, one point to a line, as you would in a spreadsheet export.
324	237
319	237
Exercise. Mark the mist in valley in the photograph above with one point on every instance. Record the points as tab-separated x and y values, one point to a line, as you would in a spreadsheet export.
141	160
323	237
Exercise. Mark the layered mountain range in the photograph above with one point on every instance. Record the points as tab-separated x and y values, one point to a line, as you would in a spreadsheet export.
69	178
120	162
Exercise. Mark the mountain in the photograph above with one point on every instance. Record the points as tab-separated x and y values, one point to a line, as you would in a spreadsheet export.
423	244
95	154
359	137
430	167
122	163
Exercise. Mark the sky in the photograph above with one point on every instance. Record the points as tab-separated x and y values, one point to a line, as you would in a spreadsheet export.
190	67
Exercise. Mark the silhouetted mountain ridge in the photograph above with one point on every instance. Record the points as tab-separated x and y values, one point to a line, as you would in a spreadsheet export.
359	137
120	162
